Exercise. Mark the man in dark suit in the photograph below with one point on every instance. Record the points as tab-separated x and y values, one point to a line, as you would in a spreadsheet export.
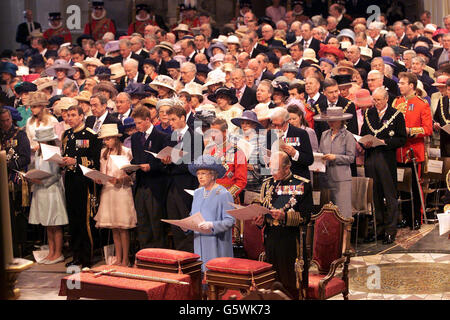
268	38
137	46
100	115
308	40
353	54
188	50
313	97
399	29
388	124
246	96
378	41
179	205
378	64
133	75
188	72
375	80
24	30
292	140
151	181
258	71
127	54
337	11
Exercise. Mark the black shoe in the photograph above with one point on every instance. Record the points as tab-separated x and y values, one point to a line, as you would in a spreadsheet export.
371	238
402	224
86	265
416	226
73	263
389	239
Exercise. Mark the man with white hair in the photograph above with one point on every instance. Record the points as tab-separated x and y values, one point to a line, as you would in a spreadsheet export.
127	53
375	80
417	67
400	29
353	54
441	55
133	75
379	64
292	140
188	72
374	31
387	124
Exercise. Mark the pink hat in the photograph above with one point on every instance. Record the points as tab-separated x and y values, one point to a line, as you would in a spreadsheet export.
363	98
440	81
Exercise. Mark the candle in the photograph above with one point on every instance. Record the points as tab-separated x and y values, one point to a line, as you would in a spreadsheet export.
7	246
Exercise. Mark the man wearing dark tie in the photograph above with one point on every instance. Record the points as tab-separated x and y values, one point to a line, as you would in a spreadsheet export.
123	106
313	97
188	50
100	114
151	181
133	75
246	96
179	202
308	40
24	30
296	52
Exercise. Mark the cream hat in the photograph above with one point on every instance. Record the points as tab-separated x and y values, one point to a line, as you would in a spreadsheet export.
310	54
262	111
163	81
117	71
109	130
193	89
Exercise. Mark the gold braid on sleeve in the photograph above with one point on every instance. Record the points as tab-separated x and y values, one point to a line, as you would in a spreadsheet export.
293	218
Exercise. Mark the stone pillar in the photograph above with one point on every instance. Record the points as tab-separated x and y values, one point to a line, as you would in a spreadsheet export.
438	9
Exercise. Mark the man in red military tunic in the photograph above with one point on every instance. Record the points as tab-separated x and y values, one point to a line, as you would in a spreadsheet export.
57	28
100	24
419	124
189	16
145	17
232	158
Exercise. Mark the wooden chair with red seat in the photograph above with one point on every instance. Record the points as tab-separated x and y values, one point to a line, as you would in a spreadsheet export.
331	250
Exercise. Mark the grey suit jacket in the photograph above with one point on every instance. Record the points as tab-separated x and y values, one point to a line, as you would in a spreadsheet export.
344	147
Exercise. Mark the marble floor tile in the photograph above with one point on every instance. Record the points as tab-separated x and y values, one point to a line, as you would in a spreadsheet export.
392	257
406	258
433	297
422	257
370	260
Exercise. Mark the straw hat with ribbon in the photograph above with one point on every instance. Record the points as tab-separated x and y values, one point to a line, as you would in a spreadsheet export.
84	96
64	104
109	130
117	71
262	111
105	86
182	27
166	46
43	83
163	81
333	114
310	54
345	66
38	98
93	62
193	89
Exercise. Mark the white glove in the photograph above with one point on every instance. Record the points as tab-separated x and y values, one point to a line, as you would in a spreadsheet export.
205	225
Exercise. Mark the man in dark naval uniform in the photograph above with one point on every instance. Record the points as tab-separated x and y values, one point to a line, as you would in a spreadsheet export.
387	124
80	147
289	198
17	146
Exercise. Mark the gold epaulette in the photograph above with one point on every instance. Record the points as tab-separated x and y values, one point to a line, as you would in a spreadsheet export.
394	103
267	179
91	131
301	178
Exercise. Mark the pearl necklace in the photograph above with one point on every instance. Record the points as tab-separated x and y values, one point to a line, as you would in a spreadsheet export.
207	193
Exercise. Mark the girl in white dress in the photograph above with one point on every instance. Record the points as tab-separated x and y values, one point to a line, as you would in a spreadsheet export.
116	210
48	204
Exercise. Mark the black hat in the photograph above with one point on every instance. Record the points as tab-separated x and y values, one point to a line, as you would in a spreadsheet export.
142	6
282	87
151	62
425	39
54	16
82	37
290	37
343	79
267	20
36	60
423	50
53	99
103	71
106	60
56	40
7	53
172	64
202	68
229	92
25	87
98	4
245	3
272	57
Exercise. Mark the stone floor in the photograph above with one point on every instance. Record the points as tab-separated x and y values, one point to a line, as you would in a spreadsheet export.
418	271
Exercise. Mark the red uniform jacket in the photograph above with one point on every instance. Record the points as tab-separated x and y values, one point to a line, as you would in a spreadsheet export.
233	159
98	28
139	26
60	32
418	120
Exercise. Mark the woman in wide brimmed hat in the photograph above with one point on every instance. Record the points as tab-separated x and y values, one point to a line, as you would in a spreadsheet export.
213	201
40	117
81	74
280	93
164	85
91	64
48	202
167	50
109	91
116	210
84	98
61	70
225	99
250	126
339	147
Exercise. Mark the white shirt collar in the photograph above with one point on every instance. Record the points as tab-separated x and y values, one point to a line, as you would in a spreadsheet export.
192	54
149	131
316	97
382	111
183	131
103	117
135	79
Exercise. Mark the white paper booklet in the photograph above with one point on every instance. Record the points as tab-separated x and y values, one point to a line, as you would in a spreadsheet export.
318	164
248	212
375	141
95	174
189	223
35	174
123	163
51	153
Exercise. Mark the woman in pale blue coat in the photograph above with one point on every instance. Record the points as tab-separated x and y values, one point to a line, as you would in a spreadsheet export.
339	148
48	204
212	201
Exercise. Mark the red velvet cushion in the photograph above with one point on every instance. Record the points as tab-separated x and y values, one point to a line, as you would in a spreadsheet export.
333	287
238	266
166	256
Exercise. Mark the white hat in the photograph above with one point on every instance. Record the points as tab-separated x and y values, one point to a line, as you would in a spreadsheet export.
117	71
310	54
367	52
216	58
163	81
221	38
92	61
262	111
430	27
345	45
214	77
193	89
109	130
233	39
